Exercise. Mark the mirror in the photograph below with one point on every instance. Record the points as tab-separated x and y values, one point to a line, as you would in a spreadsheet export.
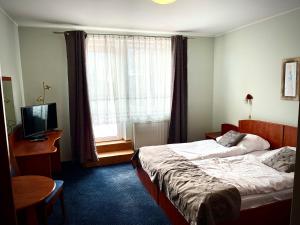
9	104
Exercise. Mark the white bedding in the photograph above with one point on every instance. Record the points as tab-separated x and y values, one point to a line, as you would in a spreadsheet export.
247	174
253	201
257	183
204	149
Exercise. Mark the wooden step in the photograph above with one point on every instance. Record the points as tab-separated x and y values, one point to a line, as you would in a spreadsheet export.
113	157
111	146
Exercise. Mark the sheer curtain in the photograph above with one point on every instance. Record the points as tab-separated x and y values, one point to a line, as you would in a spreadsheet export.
129	80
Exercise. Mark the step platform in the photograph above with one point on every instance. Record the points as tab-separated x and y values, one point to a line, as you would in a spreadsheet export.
112	152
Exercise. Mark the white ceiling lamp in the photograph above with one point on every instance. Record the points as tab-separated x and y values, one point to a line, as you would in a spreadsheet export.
164	2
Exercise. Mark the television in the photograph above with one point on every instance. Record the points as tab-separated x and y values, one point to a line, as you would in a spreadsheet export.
38	119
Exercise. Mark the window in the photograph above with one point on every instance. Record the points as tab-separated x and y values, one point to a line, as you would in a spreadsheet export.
129	80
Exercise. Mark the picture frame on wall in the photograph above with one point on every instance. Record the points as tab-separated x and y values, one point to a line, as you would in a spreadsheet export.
290	79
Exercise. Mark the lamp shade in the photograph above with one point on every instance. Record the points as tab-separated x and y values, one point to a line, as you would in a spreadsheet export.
249	97
164	2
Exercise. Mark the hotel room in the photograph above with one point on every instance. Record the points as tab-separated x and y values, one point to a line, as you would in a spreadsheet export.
128	112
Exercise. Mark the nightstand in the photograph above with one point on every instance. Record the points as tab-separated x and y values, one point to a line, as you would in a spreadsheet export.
212	135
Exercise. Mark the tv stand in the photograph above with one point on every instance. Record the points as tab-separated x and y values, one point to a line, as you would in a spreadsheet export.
38	137
37	157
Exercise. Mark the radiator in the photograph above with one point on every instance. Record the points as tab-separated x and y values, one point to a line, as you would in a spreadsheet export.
150	133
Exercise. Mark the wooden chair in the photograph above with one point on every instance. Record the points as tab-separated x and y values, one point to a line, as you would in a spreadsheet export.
46	207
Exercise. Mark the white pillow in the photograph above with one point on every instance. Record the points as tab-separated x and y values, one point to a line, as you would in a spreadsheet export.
252	142
218	138
290	147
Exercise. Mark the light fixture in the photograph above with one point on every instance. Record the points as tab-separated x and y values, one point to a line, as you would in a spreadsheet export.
164	2
249	99
41	99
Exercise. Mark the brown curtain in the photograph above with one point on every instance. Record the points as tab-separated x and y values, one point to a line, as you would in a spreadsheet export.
82	137
178	122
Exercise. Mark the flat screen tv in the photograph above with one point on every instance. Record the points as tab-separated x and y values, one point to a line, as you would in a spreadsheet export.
38	119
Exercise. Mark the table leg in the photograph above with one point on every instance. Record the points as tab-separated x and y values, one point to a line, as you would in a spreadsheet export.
28	216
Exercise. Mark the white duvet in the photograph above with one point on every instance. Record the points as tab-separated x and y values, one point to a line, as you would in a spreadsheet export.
247	173
205	149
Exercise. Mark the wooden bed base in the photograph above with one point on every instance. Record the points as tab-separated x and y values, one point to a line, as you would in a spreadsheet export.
277	213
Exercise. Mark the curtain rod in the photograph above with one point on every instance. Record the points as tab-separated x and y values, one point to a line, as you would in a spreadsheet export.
129	35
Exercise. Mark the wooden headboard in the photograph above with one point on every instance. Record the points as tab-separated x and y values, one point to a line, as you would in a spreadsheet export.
278	135
225	127
290	136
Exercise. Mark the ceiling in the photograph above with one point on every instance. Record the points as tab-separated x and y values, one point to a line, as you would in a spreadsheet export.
202	17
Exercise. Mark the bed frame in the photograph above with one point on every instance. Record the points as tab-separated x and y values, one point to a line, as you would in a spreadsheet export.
277	213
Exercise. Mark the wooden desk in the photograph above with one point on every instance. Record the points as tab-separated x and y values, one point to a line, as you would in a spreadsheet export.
29	191
38	158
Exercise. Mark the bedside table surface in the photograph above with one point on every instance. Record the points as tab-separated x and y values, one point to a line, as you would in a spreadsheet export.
213	135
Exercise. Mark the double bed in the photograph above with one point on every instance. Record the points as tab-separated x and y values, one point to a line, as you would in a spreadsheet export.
261	194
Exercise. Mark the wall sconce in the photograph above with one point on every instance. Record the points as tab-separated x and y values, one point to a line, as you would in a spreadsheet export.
41	99
249	99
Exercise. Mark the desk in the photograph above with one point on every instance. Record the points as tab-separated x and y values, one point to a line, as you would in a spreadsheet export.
29	191
38	158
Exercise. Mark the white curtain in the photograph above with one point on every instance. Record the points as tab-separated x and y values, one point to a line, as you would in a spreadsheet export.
129	78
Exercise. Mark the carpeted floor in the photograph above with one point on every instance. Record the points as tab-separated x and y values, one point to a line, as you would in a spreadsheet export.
111	195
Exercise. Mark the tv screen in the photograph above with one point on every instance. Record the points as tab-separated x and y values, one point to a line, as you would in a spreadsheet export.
38	119
52	117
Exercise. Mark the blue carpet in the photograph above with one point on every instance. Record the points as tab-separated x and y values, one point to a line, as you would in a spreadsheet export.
111	195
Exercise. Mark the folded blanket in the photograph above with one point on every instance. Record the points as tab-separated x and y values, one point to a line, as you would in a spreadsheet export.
200	198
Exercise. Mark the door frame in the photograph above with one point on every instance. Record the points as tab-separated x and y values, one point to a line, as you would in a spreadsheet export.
7	207
295	216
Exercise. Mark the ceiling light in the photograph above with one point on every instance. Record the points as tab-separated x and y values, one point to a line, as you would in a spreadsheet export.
164	2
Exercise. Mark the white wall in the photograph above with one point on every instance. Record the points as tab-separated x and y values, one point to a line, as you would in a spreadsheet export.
249	61
200	87
10	59
44	58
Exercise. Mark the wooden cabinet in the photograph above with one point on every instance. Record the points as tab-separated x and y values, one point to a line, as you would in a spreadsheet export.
212	135
225	127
